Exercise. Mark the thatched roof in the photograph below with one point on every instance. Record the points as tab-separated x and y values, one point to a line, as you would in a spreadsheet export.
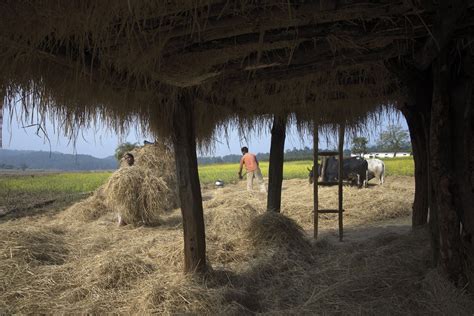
135	59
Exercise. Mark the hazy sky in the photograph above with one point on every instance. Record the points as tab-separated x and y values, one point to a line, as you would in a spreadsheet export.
101	142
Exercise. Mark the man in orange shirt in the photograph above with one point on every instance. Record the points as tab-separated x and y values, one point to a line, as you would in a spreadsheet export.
253	170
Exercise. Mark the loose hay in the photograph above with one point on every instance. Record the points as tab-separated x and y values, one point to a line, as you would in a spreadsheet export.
276	230
256	267
23	249
32	246
159	158
87	210
112	270
177	294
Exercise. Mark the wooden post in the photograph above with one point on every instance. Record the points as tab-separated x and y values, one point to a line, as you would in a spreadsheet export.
340	195
315	178
1	115
416	110
443	172
420	157
275	168
324	165
188	185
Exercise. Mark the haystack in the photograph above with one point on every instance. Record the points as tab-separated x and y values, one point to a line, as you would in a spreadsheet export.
227	217
158	158
274	230
139	193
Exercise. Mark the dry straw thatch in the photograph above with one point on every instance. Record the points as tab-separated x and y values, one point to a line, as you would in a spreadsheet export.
122	61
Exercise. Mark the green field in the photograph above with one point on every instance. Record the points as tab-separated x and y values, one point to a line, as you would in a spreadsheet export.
78	182
68	182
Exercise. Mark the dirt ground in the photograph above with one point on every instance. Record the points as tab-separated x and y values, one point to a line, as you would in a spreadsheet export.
59	262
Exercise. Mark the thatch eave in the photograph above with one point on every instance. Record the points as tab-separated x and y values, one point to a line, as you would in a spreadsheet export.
135	59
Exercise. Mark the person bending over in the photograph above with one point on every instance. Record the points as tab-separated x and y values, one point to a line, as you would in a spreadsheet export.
253	170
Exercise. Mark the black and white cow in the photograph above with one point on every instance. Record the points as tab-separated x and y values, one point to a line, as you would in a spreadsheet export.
311	173
354	169
376	169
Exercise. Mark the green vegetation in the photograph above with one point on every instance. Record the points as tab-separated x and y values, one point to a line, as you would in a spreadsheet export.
79	182
403	166
394	139
228	172
359	145
71	182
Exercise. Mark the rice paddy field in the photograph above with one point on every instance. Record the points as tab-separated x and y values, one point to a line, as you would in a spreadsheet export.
53	259
295	169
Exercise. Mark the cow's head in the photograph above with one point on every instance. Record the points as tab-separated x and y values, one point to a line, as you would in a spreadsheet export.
310	175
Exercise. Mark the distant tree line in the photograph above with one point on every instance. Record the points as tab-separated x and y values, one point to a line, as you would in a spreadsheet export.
21	159
393	139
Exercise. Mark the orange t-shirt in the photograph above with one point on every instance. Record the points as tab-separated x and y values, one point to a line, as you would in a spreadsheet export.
250	162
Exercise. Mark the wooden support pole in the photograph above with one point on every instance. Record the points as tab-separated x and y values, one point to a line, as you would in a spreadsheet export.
184	141
443	172
324	177
340	195
416	110
315	177
2	96
275	168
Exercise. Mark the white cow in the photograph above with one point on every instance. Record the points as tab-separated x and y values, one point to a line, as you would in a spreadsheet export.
376	169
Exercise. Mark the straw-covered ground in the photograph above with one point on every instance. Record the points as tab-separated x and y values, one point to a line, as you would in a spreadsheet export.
259	262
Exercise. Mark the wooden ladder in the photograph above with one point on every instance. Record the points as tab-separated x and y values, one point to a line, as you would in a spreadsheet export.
316	181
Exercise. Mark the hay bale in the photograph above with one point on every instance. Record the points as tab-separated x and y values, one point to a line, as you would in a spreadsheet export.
274	230
139	195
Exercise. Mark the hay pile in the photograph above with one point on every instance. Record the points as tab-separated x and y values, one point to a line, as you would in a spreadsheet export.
260	262
274	230
89	209
139	193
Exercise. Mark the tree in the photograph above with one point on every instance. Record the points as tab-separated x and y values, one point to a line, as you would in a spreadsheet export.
394	138
359	145
123	148
23	166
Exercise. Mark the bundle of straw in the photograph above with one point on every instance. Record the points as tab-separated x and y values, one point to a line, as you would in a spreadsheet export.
138	195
